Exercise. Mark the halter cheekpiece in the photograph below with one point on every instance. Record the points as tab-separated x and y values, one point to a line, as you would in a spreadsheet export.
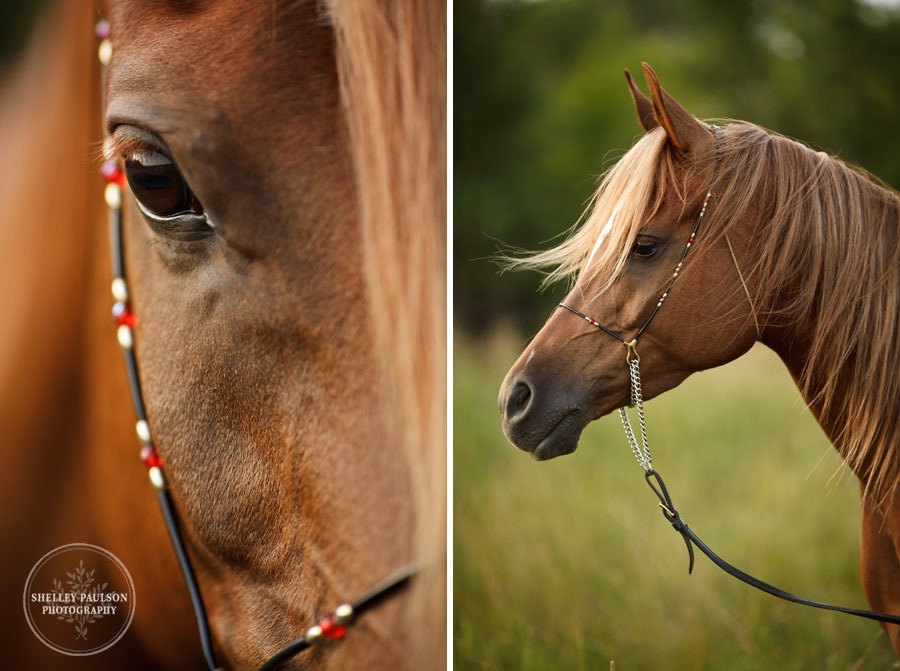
329	627
632	358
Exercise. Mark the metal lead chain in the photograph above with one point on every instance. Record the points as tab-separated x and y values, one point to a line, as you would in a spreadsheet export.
642	451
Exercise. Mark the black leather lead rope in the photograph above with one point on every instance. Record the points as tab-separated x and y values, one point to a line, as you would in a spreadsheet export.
690	538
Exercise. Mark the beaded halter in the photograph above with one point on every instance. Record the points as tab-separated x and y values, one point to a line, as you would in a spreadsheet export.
330	627
642	452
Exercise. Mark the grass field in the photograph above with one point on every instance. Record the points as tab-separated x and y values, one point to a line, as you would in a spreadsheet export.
568	564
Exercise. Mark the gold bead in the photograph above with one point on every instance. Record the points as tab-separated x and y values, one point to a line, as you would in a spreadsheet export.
157	477
143	431
120	290
313	634
104	51
113	195
343	614
125	336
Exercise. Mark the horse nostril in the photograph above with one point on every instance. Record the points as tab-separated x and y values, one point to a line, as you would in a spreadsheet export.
517	399
521	394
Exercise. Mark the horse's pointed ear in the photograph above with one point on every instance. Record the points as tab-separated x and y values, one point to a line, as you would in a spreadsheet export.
642	104
683	129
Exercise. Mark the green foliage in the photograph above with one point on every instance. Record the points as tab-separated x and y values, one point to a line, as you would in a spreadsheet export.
568	564
541	107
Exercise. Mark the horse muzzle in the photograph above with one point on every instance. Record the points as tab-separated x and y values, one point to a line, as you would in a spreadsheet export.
546	424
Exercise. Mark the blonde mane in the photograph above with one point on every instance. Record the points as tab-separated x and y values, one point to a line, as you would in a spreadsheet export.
392	66
825	263
827	266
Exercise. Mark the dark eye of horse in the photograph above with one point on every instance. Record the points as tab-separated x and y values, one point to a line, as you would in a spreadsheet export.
159	186
644	248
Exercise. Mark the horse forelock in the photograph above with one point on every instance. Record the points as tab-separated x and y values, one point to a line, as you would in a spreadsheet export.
628	196
826	263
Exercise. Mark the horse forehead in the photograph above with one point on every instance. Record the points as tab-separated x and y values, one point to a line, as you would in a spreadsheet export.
209	22
236	89
250	58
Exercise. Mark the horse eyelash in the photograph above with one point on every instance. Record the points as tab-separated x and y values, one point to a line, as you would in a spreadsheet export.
118	147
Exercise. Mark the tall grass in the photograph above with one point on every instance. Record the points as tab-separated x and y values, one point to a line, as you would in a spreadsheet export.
569	564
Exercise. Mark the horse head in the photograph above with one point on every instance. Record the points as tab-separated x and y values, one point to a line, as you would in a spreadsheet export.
655	205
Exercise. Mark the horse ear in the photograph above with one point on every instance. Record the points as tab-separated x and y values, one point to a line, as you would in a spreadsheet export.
642	104
683	129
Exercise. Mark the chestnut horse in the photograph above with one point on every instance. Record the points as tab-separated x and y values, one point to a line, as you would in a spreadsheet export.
292	348
796	250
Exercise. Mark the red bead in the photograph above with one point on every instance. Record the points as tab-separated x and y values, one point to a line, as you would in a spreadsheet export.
113	173
123	315
331	629
150	457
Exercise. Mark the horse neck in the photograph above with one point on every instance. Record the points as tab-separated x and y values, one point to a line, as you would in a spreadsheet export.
839	342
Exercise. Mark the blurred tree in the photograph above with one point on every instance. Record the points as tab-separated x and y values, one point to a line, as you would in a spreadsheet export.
541	108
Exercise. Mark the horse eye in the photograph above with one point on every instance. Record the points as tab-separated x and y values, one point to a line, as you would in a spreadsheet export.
644	248
159	186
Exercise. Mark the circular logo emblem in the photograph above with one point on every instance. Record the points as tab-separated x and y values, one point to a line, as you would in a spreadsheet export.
79	599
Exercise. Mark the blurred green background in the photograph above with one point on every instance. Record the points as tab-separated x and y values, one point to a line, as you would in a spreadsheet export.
568	564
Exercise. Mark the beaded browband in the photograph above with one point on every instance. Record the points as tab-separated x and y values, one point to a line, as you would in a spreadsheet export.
332	626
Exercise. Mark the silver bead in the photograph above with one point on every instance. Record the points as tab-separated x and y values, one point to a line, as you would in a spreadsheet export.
157	477
125	336
143	431
113	195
